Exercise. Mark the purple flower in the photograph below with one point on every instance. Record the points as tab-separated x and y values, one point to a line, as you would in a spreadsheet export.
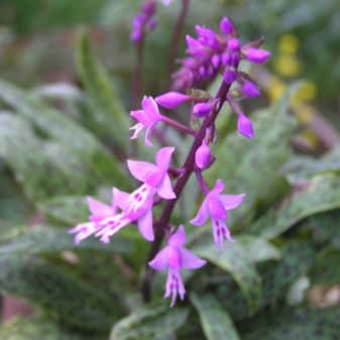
147	119
172	99
155	175
215	206
245	126
143	21
256	55
175	257
250	89
203	157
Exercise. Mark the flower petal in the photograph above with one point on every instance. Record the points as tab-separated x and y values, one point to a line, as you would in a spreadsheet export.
144	171
232	201
150	108
163	157
178	239
161	260
191	261
202	215
98	209
120	199
165	189
145	226
216	208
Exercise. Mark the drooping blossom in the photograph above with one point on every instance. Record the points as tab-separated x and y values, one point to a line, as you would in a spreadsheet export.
147	118
215	206
173	258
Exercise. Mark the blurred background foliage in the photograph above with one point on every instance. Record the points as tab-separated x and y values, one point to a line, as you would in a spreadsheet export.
66	69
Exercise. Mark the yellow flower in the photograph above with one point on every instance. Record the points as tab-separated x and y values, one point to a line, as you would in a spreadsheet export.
275	88
287	65
288	44
306	91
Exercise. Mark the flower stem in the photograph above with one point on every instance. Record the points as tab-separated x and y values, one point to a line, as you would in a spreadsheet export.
188	169
202	183
177	125
176	35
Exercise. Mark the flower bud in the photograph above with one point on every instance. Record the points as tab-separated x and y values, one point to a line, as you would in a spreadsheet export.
203	156
245	126
202	109
172	99
256	55
226	26
250	89
233	44
229	76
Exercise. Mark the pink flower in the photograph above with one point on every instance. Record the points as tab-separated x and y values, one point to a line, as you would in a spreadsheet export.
215	206
147	119
98	212
135	207
155	175
175	257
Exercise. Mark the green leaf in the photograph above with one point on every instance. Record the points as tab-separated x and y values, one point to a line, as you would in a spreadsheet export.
49	240
301	168
152	323
320	195
66	209
326	270
58	143
296	261
325	227
109	118
254	166
62	295
33	328
294	324
41	169
216	322
236	261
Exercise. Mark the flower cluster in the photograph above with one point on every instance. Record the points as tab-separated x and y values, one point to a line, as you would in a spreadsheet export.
210	53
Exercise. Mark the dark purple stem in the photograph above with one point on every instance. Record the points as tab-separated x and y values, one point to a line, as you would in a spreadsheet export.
176	35
188	169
